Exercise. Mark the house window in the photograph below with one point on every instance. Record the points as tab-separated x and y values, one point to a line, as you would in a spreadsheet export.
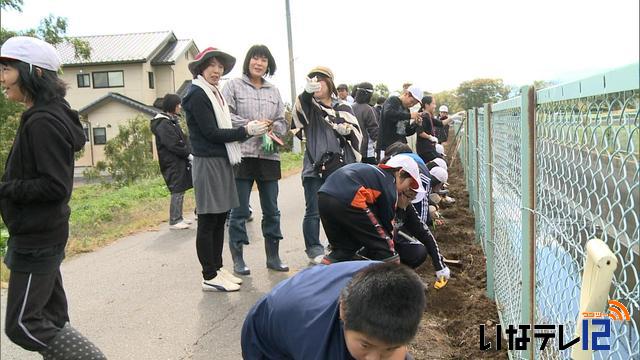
152	84
108	79
99	136
83	80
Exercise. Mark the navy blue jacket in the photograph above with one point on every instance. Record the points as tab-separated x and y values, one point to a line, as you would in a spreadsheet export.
299	318
365	186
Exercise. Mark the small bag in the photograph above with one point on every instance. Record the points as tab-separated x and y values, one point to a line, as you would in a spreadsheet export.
328	163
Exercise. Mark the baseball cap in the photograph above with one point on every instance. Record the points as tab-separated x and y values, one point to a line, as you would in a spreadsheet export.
440	162
408	165
443	108
32	51
440	149
416	92
439	174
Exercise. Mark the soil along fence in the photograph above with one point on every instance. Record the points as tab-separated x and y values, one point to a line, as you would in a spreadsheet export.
546	172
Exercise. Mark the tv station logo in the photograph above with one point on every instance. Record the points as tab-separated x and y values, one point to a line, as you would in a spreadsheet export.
518	336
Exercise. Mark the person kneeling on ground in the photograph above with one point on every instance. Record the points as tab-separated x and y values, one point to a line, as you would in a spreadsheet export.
354	310
357	207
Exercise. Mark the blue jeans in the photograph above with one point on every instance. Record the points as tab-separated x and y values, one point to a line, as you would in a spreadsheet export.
311	221
268	191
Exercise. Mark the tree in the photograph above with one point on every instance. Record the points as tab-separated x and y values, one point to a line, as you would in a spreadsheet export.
129	155
542	84
449	98
476	93
379	90
52	29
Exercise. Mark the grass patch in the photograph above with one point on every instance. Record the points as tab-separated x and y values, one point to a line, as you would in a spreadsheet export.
100	215
290	163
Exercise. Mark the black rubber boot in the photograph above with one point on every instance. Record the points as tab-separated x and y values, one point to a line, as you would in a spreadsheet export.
273	259
70	344
239	267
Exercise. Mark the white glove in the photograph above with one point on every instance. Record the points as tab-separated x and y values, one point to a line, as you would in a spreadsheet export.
190	158
433	139
445	272
255	127
312	85
343	129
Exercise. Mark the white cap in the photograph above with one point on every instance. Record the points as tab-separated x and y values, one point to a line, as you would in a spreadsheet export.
443	108
408	165
440	174
31	51
440	149
416	92
441	163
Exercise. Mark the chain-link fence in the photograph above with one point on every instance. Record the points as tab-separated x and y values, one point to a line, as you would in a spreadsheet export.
545	174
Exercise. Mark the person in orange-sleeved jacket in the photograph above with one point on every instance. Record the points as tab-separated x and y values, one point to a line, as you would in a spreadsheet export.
357	206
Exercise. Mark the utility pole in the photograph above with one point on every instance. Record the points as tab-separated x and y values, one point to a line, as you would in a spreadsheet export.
292	74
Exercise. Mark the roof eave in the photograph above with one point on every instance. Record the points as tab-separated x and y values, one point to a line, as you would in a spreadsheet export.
136	61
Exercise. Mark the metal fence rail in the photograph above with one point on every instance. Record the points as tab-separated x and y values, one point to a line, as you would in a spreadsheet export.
584	184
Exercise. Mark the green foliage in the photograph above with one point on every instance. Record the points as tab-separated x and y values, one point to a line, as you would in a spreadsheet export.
11	4
379	90
4	237
129	154
52	29
9	120
290	161
449	98
476	93
95	204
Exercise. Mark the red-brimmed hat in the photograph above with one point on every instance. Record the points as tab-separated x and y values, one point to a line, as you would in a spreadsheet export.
227	60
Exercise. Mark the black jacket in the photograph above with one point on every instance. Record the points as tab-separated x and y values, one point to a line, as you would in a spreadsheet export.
424	147
173	152
395	123
207	139
36	186
367	118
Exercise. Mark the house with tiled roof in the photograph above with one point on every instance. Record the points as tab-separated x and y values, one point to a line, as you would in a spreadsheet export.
124	77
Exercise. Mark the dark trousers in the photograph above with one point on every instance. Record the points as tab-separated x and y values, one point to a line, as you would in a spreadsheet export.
311	220
36	309
412	252
369	160
209	242
175	208
349	229
268	191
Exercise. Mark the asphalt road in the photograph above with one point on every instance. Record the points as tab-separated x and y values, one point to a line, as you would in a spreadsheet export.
140	298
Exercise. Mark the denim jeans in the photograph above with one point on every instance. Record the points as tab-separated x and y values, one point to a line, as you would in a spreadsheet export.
268	191
311	221
175	208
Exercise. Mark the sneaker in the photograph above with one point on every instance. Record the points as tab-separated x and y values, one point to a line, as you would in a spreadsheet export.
317	260
229	276
219	283
187	221
179	226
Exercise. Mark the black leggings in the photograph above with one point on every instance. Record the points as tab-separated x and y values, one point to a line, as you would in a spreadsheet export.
209	242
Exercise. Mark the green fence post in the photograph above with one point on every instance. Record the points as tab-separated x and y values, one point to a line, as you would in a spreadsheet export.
466	152
488	193
476	158
527	176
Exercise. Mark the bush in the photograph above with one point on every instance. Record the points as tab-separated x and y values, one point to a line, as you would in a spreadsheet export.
130	155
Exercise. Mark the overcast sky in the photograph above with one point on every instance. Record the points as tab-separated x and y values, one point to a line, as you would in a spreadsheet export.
435	44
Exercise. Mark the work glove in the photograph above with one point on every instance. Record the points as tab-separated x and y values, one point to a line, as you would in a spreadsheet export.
343	129
442	278
190	158
433	139
256	127
267	144
445	272
312	85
